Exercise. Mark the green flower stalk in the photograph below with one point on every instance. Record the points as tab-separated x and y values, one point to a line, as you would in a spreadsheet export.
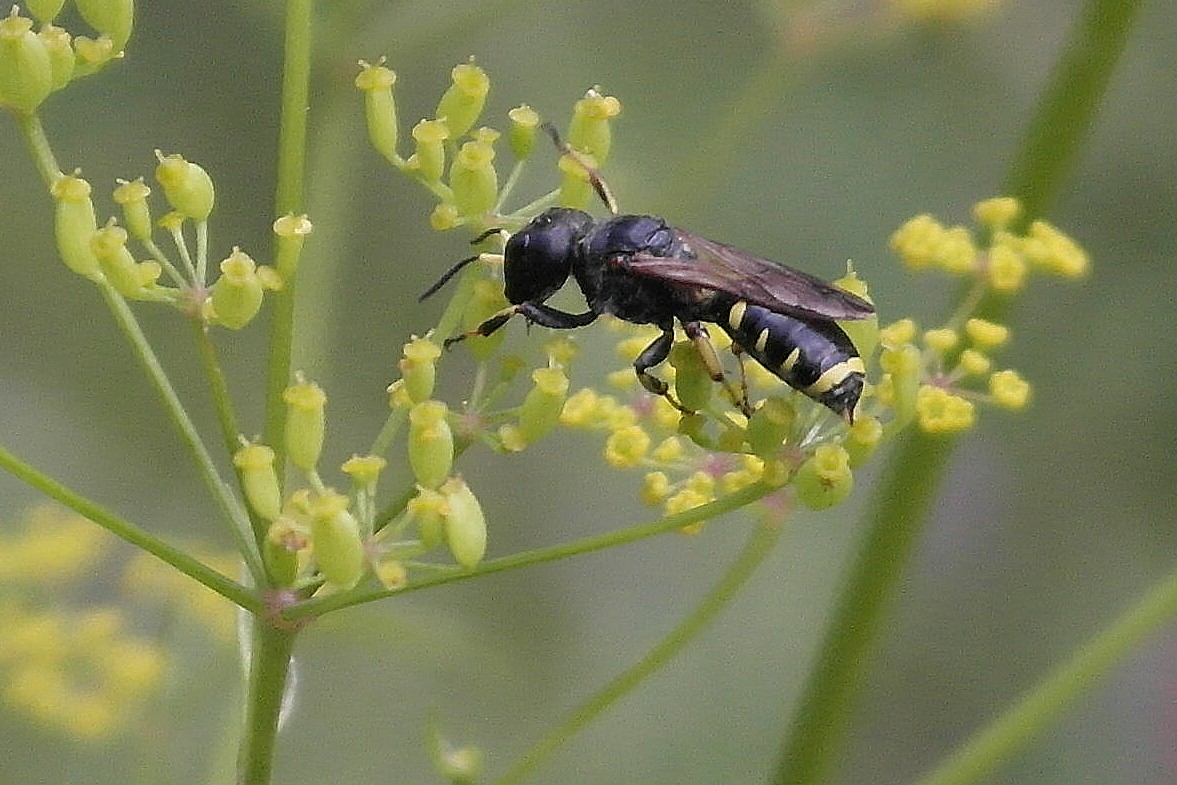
461	105
26	71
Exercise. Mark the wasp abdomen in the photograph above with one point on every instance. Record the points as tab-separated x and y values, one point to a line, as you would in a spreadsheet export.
815	357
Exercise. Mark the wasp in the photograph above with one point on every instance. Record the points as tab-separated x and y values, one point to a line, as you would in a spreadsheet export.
645	271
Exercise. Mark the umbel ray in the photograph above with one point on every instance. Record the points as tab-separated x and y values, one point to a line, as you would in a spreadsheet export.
642	270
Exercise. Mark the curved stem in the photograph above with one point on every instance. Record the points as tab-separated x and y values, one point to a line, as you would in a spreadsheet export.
181	560
1042	705
233	513
764	536
916	467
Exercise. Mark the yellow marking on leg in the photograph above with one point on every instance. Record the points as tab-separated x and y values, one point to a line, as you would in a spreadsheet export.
791	360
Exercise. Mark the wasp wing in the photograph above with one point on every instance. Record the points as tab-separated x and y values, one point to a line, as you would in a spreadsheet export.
761	282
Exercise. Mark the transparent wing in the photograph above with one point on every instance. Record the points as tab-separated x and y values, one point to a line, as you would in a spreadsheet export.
759	281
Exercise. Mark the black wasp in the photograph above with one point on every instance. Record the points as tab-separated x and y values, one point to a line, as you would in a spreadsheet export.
642	270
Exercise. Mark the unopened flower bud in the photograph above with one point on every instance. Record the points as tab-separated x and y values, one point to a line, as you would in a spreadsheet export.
825	478
93	53
542	406
1009	389
462	103
431	443
339	550
44	11
692	381
473	179
305	423
487	300
379	107
430	136
521	137
589	131
285	539
74	226
464	523
187	186
126	275
862	439
427	510
364	470
62	58
940	412
575	189
136	213
26	74
255	463
863	333
770	425
237	294
113	18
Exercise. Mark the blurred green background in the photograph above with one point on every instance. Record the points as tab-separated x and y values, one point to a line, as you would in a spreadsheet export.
838	128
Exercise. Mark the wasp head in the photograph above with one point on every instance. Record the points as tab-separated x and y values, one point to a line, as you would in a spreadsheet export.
538	258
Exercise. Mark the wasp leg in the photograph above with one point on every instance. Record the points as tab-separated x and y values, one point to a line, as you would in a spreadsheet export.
536	313
738	353
702	342
652	355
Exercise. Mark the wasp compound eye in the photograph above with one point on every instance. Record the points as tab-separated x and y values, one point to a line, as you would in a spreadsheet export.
538	258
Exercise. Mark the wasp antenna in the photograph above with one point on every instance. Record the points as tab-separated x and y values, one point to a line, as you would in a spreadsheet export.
598	183
486	234
450	273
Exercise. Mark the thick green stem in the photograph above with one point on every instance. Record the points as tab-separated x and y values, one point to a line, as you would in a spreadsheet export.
916	467
269	669
288	200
